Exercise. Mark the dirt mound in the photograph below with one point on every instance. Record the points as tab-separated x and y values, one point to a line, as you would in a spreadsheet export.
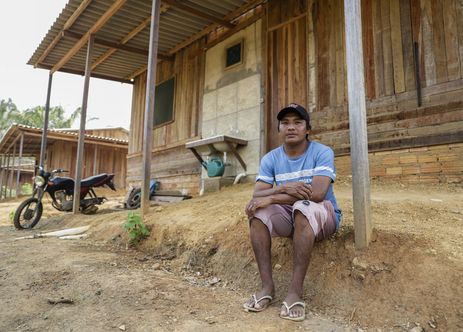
411	273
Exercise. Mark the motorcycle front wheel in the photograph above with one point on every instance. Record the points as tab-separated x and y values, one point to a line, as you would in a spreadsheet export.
28	214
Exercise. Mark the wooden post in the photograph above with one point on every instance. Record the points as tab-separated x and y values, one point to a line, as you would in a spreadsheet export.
149	105
43	145
12	170
18	172
95	159
7	166
2	173
357	124
83	119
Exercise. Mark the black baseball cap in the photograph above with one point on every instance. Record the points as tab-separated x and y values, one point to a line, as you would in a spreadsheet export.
295	108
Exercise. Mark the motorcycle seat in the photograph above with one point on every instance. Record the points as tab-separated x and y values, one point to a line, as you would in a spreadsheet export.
93	180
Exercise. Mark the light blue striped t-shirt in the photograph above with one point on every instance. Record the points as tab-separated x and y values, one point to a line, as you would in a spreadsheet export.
277	168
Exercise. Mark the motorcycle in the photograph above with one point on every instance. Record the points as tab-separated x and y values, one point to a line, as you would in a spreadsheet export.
61	191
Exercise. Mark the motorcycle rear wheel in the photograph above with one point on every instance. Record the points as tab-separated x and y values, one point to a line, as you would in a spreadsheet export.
28	214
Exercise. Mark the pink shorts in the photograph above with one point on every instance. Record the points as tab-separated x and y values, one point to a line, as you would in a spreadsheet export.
279	219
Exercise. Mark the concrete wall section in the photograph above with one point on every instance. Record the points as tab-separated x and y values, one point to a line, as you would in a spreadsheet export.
232	97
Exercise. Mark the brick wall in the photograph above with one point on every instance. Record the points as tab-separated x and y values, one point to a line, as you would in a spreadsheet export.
440	163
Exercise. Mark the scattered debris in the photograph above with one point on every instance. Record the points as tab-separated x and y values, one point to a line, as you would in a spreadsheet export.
359	264
214	281
74	237
60	300
122	328
156	266
210	320
352	315
435	200
416	329
61	233
277	267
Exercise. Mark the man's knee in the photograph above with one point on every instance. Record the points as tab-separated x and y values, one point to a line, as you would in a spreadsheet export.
300	220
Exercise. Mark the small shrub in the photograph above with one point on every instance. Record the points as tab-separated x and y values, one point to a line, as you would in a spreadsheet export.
26	189
11	215
135	228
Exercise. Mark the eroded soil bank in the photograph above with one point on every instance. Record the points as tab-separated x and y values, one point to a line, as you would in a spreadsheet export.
197	268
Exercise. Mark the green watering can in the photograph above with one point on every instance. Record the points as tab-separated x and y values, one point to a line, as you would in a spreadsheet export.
214	167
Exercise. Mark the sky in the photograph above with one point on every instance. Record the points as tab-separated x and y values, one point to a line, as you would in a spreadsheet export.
23	24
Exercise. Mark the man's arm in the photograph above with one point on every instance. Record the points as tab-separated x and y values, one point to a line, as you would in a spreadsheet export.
265	194
320	185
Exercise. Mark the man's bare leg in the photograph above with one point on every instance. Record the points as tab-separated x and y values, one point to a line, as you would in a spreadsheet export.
303	241
261	244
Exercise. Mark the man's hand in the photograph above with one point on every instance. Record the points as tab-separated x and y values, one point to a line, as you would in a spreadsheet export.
299	190
257	203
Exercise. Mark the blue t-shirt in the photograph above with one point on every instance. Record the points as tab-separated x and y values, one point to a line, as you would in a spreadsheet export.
318	159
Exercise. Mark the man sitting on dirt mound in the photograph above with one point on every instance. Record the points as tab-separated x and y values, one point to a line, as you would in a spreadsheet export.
301	205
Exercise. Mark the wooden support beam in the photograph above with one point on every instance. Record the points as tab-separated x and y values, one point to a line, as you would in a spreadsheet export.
12	171
67	25
128	37
237	28
137	72
7	169
43	145
124	40
77	72
358	124
149	106
198	12
95	159
97	26
236	13
83	119
2	173
18	172
102	42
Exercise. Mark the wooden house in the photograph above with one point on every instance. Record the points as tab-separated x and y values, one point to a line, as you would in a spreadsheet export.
21	145
227	67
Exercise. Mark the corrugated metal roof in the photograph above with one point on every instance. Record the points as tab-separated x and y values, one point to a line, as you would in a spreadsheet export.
33	142
176	26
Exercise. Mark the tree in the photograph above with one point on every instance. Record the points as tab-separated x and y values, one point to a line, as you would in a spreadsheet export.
34	117
9	114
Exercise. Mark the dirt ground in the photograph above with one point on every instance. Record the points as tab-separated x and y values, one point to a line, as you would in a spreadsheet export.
197	268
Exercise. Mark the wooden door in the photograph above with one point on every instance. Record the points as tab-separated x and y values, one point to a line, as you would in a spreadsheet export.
286	71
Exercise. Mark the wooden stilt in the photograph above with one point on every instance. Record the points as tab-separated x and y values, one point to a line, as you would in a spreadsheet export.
43	145
83	119
357	124
149	105
18	171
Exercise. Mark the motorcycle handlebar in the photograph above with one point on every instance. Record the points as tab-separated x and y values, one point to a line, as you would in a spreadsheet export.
59	170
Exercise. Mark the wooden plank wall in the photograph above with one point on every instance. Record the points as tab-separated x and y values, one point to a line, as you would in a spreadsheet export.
110	160
287	60
390	27
172	164
175	169
187	69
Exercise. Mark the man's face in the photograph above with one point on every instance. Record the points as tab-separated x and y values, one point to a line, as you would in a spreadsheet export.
293	129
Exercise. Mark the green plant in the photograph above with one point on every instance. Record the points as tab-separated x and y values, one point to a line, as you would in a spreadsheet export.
26	189
135	228
11	215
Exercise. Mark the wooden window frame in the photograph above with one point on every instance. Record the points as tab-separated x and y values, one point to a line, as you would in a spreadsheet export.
241	42
173	102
